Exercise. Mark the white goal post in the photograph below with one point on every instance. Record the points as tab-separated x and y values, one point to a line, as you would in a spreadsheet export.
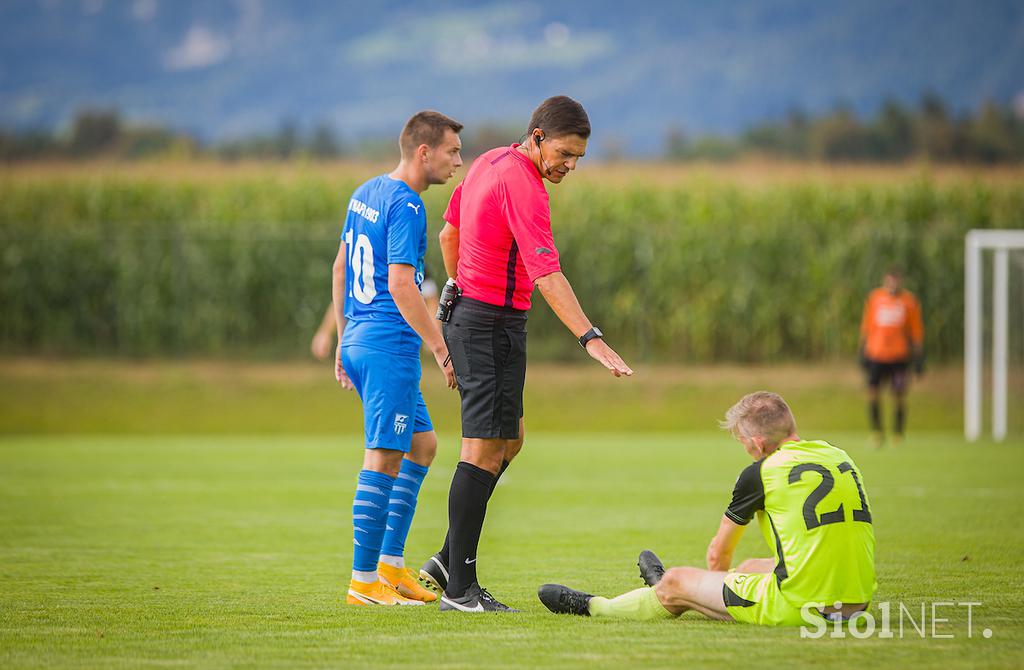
1001	242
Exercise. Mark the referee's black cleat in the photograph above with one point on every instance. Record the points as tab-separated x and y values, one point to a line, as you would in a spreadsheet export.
476	599
651	567
563	600
434	574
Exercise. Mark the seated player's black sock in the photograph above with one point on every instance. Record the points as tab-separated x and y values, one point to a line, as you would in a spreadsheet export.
446	549
876	416
467	505
900	417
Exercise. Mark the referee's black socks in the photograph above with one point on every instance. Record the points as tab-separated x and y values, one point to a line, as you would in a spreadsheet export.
447	537
467	505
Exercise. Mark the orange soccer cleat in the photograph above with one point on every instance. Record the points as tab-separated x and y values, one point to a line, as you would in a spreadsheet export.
377	593
405	582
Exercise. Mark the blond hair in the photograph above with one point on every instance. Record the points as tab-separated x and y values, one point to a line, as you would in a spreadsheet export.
760	414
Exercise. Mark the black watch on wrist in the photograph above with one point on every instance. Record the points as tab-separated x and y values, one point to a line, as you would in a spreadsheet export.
591	334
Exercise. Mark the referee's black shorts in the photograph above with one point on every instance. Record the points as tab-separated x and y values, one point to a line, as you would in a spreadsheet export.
487	344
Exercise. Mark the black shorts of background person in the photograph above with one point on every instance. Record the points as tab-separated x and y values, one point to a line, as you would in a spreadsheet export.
894	372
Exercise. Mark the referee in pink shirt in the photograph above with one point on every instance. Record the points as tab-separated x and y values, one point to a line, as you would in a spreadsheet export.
497	245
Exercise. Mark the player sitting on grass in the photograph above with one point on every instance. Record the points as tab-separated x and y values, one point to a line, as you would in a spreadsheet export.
381	320
810	503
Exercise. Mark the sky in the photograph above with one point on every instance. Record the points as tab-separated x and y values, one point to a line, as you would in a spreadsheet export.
226	68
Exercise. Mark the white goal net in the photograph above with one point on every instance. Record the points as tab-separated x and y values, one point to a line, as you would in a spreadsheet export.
994	312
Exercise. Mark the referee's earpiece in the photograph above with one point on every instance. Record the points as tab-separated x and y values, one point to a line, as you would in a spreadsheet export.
538	139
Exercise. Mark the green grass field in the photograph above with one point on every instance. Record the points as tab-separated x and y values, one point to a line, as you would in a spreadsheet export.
215	551
39	396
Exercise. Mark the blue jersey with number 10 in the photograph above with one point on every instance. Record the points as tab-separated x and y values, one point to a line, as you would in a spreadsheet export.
386	223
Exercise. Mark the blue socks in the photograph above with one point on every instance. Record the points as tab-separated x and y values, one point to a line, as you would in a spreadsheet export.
382	514
402	506
369	517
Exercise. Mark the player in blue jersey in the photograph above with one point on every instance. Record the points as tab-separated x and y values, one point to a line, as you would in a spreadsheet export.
382	320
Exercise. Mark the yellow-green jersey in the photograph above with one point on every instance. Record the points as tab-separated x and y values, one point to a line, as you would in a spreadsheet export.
814	513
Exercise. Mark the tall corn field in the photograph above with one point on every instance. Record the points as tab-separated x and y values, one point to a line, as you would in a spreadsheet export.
761	263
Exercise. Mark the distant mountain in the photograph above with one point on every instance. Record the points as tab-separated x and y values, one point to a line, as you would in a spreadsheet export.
222	69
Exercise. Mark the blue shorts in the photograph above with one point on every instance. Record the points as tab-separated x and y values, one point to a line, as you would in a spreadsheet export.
389	386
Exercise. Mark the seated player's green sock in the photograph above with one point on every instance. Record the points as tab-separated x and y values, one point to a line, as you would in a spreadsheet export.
639	605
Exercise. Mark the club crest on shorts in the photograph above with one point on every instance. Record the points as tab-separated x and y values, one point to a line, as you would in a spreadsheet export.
400	423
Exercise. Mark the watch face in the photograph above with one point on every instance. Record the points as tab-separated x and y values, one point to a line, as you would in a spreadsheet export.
597	332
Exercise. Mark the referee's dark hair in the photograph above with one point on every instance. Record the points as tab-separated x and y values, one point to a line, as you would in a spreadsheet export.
559	116
426	127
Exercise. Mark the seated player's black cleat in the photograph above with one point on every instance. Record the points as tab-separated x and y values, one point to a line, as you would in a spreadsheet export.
434	573
477	599
651	567
563	600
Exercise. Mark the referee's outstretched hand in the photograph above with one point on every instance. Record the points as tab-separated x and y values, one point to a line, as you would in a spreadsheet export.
444	361
607	357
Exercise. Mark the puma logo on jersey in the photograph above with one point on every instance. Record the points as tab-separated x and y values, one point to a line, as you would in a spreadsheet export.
415	208
543	250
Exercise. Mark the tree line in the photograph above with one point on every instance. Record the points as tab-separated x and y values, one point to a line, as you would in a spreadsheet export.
104	133
993	133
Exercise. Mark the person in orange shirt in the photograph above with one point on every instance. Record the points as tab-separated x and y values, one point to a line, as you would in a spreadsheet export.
891	338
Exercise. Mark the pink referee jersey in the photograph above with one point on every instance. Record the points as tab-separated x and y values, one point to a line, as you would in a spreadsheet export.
504	220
